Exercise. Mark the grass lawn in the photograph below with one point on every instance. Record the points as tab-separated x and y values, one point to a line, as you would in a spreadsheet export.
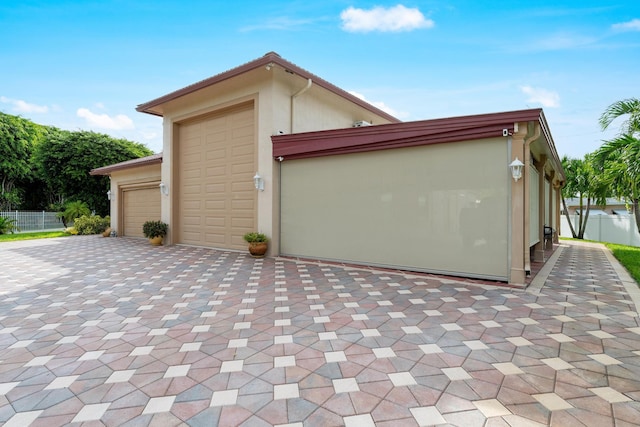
629	257
31	236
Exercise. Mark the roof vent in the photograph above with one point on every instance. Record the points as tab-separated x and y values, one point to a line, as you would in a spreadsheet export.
361	123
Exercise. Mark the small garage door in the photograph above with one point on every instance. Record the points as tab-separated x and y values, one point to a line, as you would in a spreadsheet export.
215	168
139	205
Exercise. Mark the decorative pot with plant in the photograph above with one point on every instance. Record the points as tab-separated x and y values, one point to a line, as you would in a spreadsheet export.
155	231
257	243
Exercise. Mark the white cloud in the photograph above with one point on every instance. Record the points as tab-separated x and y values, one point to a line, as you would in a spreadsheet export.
21	106
379	104
633	25
104	121
546	98
393	19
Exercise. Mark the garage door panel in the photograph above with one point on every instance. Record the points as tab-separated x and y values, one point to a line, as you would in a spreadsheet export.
139	205
221	177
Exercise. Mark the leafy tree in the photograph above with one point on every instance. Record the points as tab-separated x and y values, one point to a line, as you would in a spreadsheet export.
65	158
18	138
619	158
584	181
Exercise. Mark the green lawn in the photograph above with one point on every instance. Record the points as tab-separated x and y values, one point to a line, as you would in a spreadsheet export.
629	257
31	236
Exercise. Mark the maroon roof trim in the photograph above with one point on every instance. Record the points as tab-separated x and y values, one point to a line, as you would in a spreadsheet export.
397	135
269	58
134	163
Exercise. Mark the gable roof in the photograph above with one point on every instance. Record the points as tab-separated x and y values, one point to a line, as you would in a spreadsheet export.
269	59
134	163
408	134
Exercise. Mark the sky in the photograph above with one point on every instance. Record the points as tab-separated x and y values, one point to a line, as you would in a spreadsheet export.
86	65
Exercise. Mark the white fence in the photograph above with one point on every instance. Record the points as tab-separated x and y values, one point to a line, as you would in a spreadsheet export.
34	220
619	229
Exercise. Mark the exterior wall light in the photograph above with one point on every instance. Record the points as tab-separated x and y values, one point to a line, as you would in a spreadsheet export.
516	169
258	181
109	195
164	189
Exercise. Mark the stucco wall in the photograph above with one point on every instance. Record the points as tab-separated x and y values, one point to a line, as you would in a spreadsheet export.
272	91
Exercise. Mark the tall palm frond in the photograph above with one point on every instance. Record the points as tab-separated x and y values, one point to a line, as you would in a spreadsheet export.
630	107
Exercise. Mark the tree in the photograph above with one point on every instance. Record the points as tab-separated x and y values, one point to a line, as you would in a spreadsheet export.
619	158
65	158
584	181
627	107
18	138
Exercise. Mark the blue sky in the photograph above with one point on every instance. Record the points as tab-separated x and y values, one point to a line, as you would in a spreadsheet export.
88	64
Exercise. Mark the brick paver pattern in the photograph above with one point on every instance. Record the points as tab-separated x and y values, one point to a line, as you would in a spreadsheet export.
112	331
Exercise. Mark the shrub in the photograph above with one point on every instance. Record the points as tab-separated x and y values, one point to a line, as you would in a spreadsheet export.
152	229
93	224
73	210
255	237
8	225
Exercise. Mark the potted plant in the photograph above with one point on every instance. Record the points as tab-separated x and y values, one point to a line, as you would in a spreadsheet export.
257	243
154	231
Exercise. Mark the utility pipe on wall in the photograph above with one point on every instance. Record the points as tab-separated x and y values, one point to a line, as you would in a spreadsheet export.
295	95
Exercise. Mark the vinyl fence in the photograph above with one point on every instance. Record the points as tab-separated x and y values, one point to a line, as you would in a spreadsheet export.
619	229
34	220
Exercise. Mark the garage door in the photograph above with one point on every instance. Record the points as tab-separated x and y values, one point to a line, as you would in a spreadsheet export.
139	205
215	168
407	208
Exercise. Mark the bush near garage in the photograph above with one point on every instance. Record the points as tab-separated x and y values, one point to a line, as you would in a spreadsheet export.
93	224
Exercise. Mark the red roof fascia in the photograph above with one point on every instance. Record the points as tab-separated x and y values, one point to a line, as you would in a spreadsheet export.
398	135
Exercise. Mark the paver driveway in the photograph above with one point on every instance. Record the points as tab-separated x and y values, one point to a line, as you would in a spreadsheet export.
105	331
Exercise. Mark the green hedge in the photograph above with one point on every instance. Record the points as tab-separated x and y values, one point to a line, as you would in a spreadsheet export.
93	224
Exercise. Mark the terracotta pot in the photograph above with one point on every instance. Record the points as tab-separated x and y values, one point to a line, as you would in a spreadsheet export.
258	249
156	241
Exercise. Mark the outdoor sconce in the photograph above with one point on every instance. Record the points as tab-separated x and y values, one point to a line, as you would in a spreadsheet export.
109	195
164	189
516	169
258	181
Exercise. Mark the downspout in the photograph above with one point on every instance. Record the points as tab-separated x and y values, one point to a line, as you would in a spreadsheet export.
527	195
297	94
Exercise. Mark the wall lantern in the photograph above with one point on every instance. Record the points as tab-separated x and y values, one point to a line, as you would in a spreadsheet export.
258	181
516	169
109	195
164	189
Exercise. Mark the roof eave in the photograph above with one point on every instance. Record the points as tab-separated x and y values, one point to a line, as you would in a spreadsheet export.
273	58
129	164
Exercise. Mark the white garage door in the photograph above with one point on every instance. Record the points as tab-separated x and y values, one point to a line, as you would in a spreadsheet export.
215	168
140	205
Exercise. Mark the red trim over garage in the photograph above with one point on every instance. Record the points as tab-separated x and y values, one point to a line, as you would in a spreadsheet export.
398	135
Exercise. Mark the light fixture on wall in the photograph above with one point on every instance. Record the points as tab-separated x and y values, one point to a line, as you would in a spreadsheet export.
109	195
516	169
258	181
164	189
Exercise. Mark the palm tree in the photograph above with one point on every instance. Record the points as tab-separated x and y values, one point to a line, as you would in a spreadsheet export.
630	107
584	181
619	157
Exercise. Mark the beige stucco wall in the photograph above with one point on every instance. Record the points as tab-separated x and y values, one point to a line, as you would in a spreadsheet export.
272	91
439	208
132	177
